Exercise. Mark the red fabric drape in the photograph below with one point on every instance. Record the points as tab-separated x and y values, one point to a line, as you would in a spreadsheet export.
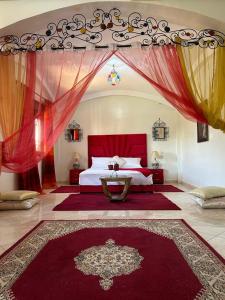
48	171
161	67
0	157
60	78
30	180
48	164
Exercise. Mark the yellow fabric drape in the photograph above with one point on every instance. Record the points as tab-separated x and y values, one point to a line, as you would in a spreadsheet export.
204	71
12	91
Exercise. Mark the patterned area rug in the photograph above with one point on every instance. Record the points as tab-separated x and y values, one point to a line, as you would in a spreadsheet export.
110	259
155	188
134	201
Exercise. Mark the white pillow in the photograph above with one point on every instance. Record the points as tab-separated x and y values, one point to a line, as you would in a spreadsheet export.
100	162
210	203
119	160
132	162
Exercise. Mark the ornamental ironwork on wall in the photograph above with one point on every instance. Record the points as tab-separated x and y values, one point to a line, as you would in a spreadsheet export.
74	132
160	131
65	33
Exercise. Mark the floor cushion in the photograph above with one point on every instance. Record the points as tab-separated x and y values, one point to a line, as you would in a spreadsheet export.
210	203
208	192
18	204
18	195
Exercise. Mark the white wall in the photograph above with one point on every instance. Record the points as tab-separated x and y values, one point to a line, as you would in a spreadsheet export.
120	114
8	182
201	164
29	8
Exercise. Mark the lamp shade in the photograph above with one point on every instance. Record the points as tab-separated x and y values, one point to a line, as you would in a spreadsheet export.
76	155
155	155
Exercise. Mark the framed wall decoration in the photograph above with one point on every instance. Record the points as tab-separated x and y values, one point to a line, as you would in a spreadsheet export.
73	133
160	131
202	132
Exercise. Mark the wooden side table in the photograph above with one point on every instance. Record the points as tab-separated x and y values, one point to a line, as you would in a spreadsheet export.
158	176
74	175
123	195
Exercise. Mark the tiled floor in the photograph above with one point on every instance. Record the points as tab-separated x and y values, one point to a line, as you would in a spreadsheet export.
210	224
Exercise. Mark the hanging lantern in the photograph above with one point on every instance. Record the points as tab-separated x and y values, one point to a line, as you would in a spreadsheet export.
113	77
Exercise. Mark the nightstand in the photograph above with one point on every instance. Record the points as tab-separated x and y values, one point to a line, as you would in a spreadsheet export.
158	176
74	175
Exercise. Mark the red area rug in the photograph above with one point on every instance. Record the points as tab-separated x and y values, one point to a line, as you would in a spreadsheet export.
112	259
155	188
135	201
67	189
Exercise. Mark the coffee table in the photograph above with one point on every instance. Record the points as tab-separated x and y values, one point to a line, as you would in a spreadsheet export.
121	197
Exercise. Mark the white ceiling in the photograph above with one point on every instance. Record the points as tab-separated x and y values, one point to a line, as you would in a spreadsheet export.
131	83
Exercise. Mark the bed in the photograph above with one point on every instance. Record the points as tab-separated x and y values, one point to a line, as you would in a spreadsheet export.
130	147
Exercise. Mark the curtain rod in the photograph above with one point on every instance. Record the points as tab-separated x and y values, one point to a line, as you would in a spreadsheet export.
104	47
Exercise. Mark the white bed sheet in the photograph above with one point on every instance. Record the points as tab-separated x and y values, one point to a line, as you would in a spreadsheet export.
92	177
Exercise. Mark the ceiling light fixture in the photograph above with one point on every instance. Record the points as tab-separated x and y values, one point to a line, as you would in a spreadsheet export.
113	77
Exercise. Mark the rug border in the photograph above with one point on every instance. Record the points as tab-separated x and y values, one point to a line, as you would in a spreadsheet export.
100	187
204	241
161	193
24	236
89	220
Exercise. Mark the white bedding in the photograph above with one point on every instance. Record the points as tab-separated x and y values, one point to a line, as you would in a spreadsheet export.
91	177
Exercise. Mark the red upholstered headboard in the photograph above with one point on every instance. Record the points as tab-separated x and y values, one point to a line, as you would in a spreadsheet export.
124	145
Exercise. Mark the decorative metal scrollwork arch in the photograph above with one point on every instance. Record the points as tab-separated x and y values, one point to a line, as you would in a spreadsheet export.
149	31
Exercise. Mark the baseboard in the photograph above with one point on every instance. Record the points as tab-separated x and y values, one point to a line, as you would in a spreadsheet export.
171	181
188	185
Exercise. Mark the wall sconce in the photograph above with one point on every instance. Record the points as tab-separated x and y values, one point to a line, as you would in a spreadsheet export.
73	133
160	132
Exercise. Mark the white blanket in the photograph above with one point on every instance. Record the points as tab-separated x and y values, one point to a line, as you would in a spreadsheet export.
92	177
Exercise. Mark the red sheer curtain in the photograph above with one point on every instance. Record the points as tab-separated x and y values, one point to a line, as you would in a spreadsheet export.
161	67
48	171
61	78
30	179
48	164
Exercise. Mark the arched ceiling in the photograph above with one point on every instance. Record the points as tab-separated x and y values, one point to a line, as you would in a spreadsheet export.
130	84
35	15
15	10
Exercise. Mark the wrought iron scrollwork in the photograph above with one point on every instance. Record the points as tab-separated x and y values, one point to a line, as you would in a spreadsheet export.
160	131
148	31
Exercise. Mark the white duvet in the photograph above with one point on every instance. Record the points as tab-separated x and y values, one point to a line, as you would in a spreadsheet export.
92	177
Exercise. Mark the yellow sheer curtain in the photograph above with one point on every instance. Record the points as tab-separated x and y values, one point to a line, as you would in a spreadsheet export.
12	75
12	91
204	71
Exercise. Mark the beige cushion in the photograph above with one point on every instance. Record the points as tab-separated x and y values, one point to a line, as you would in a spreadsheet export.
210	203
208	192
119	160
18	204
18	195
